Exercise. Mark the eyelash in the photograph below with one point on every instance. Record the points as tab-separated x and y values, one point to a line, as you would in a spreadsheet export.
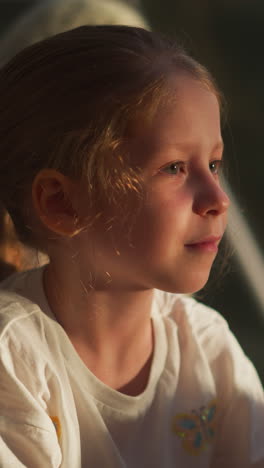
215	167
177	165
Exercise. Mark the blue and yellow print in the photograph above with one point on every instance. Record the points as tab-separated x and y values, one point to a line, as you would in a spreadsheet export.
197	428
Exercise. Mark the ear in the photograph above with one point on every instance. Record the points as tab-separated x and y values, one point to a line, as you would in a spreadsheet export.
53	196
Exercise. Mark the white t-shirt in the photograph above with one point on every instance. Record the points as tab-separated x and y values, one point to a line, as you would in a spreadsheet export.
203	405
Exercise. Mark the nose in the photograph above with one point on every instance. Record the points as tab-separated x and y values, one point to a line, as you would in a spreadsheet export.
210	198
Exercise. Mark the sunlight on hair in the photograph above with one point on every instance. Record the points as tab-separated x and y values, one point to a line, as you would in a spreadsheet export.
44	20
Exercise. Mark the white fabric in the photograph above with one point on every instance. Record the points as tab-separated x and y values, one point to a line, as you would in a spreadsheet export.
44	384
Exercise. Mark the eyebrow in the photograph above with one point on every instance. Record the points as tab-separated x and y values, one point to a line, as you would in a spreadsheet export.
186	146
154	155
219	146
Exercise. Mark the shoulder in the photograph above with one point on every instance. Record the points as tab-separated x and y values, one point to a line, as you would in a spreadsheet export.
22	299
206	328
207	325
186	313
24	327
29	344
21	334
16	311
27	283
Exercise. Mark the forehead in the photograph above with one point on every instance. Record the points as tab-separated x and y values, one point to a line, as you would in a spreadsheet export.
189	119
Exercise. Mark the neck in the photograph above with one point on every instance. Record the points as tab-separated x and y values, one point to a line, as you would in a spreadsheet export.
110	328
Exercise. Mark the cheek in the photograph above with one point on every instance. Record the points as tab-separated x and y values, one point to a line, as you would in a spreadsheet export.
170	208
168	196
163	220
158	228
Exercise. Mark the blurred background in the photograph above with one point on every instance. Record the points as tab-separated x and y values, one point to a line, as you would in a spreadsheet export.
227	37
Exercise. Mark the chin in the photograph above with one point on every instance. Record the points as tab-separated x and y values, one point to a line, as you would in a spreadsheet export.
187	284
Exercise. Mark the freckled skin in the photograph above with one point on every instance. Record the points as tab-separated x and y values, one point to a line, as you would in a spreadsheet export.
178	208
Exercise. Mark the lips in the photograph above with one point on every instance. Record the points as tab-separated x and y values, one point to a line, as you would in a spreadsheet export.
206	244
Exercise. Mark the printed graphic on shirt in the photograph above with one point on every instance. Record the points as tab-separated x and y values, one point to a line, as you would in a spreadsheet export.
57	425
197	428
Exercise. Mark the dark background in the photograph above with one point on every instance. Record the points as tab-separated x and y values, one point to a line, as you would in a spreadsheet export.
227	37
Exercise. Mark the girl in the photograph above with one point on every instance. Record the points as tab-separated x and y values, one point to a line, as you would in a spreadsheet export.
110	156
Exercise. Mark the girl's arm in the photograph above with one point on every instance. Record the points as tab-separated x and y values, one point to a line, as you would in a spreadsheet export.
27	434
241	401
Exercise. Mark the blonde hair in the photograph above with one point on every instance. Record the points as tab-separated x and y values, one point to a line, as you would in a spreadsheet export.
67	102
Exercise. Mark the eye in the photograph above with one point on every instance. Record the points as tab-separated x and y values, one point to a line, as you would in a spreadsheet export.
215	166
173	169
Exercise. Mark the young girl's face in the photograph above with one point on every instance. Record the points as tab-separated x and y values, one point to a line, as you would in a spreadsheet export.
175	237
